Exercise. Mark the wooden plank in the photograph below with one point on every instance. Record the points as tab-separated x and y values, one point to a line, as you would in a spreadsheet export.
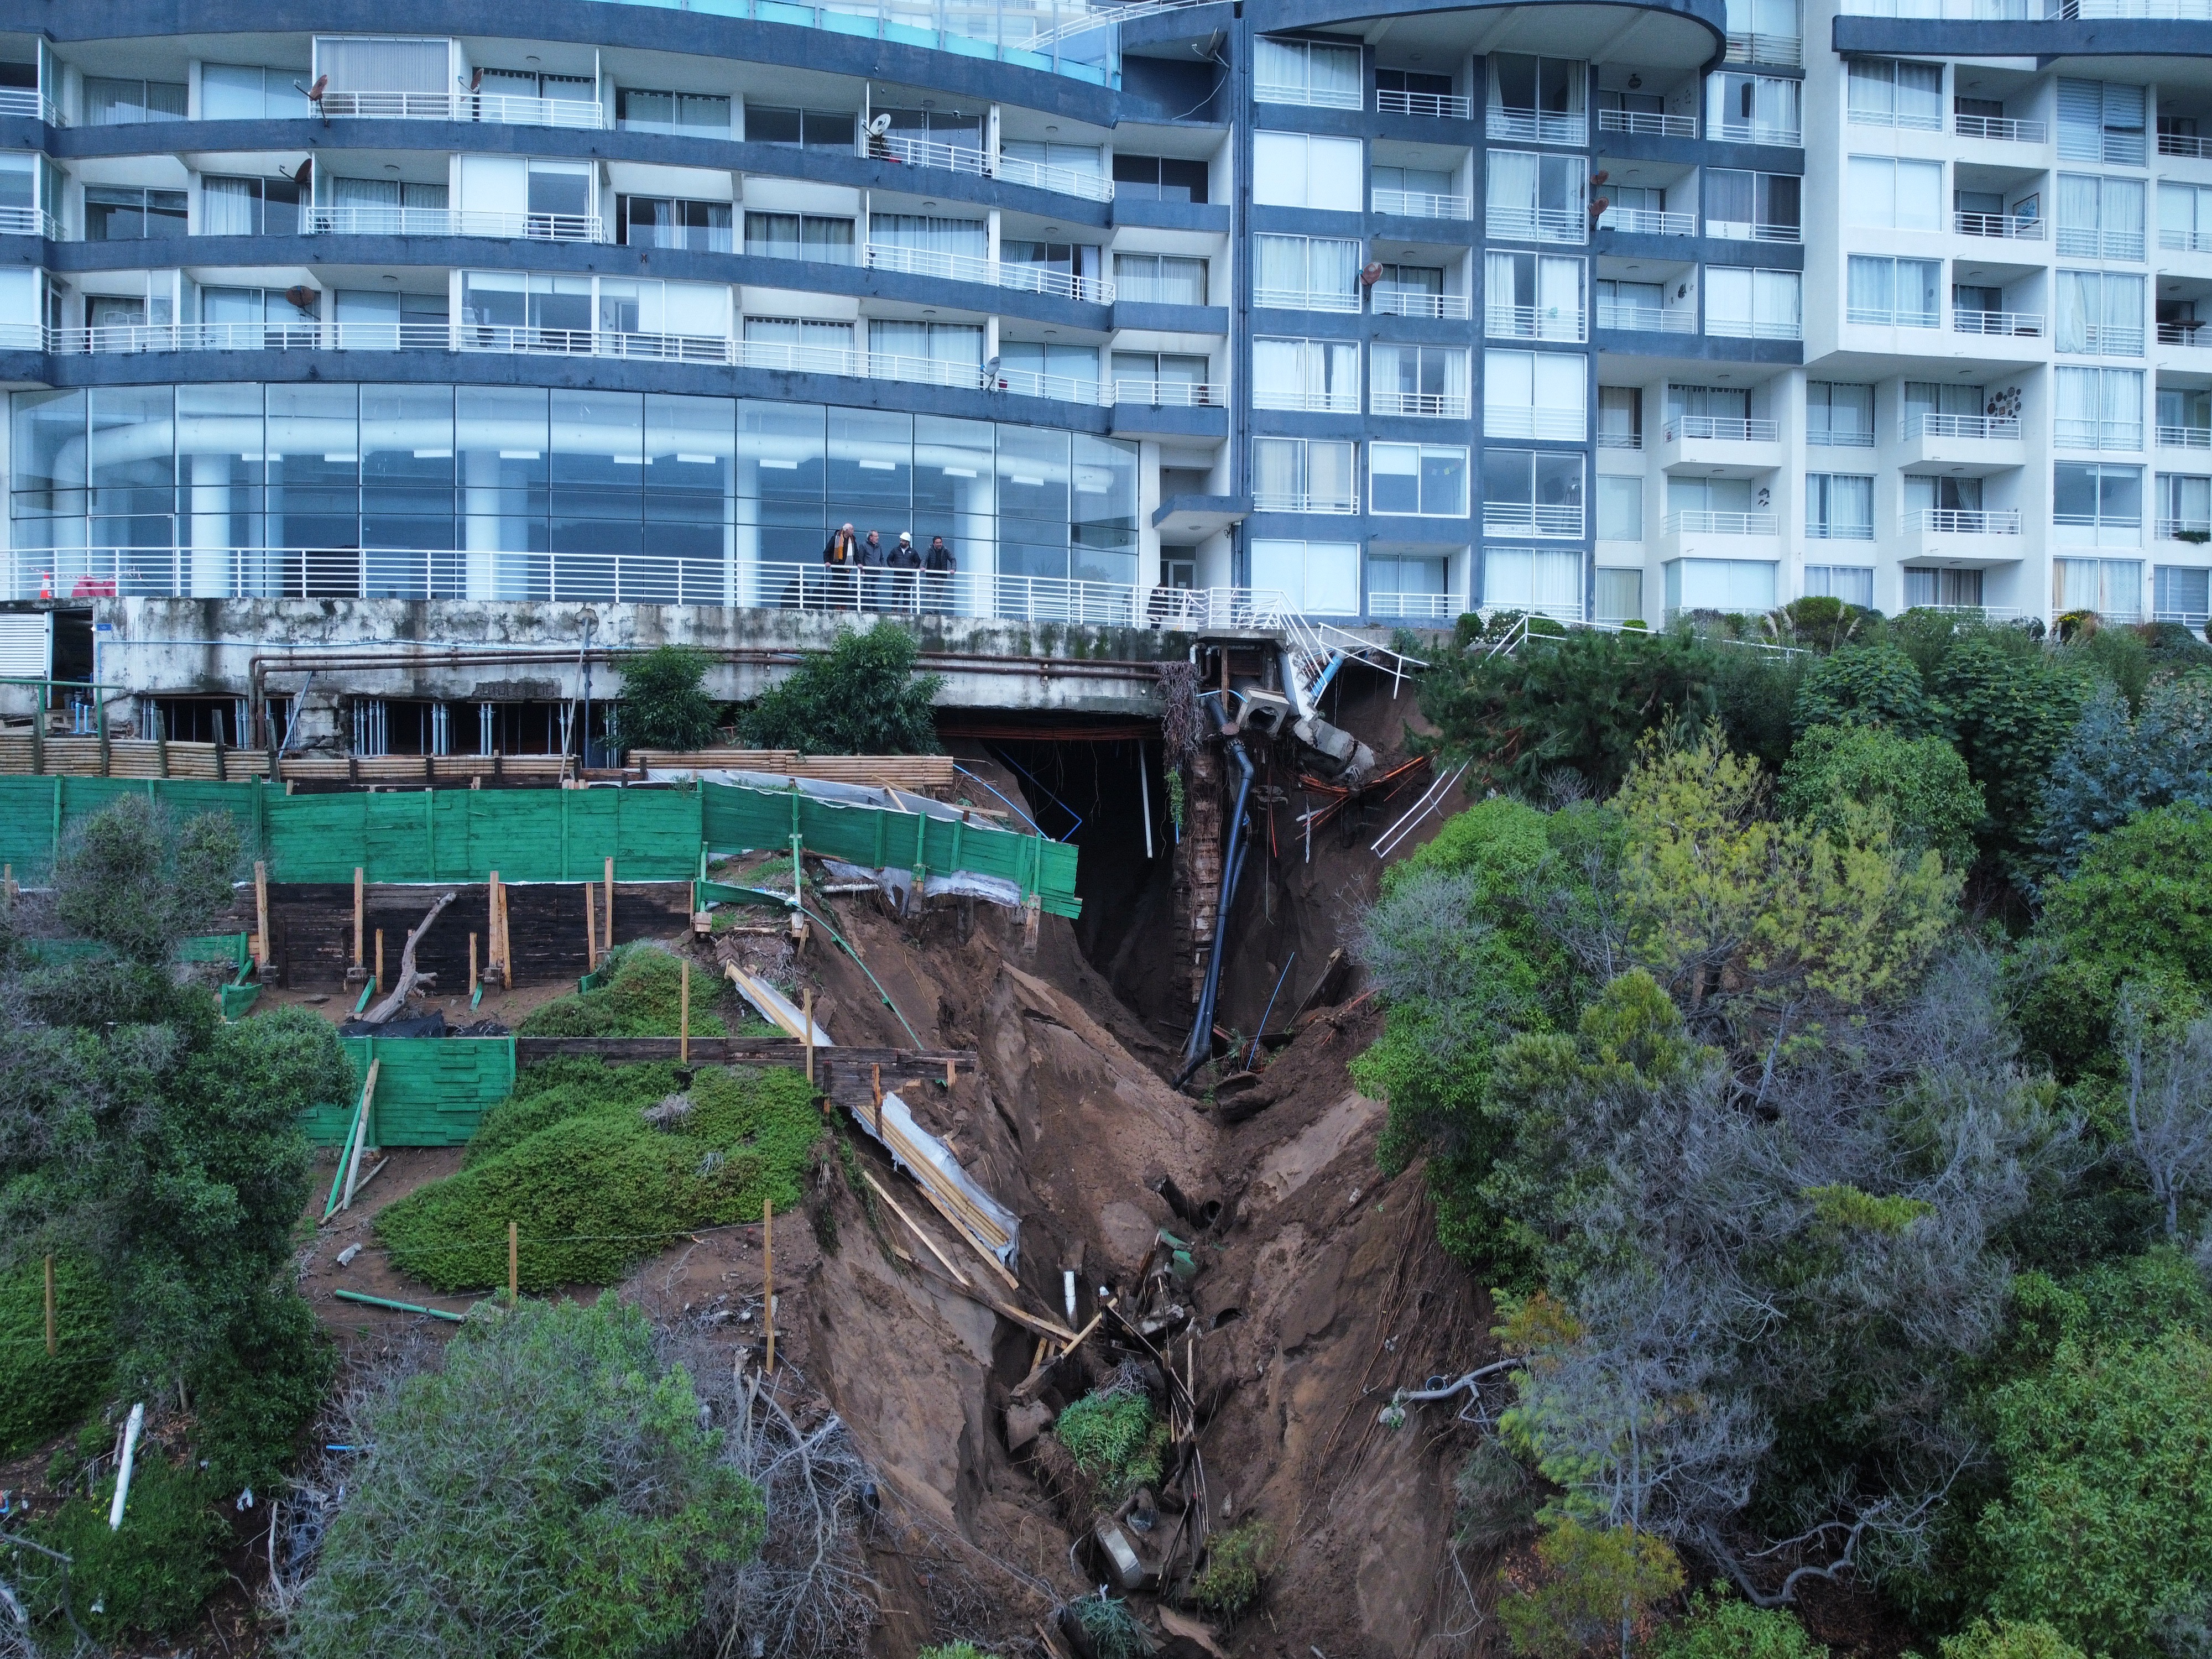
753	1051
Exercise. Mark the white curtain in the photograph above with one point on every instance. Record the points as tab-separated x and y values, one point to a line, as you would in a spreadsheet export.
968	238
2080	306
357	64
227	207
1276	469
1280	261
1333	267
364	192
1512	180
1333	73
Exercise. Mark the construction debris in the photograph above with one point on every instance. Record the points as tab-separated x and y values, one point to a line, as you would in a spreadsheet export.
410	979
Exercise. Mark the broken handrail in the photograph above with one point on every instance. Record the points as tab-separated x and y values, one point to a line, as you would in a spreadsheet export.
1432	797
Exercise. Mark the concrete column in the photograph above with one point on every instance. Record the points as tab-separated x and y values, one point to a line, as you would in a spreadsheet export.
480	500
211	570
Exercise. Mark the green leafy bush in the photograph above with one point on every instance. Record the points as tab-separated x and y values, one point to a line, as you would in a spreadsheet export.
1115	1438
550	1492
2007	1640
1868	686
599	1190
644	996
1236	1565
663	705
2013	706
1722	1626
39	1397
1593	1580
133	878
860	697
1838	774
257	1393
953	1651
150	1577
554	1090
2116	765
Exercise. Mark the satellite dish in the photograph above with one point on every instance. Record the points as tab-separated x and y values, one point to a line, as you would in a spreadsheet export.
1599	206
880	125
1370	273
1599	177
307	171
991	374
476	80
302	298
322	85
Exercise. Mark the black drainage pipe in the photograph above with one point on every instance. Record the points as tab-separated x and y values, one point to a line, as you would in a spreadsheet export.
1200	1048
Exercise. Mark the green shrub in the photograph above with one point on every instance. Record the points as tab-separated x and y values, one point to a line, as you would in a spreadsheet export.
662	703
257	1393
39	1397
860	697
1112	1629
550	1492
642	996
1868	686
1720	1626
1114	1439
1593	1578
1236	1563
1837	772
953	1651
609	1189
151	1575
2007	1640
554	1090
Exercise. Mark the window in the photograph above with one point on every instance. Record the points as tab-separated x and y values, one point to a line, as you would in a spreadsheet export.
1159	279
1619	507
1306	72
1762	305
1537	101
1306	273
1417	193
1158	178
1886	194
956	239
249	207
1852	583
2100	218
1533	296
1838	414
2099	312
1753	109
953	129
1301	170
2110	587
1753	207
1619	417
1740	586
1535	394
1545	580
1944	590
1894	293
1411	380
2099	408
125	213
1024	160
2097	503
1151	376
1885	93
701	227
112	103
1409	92
701	114
1304	474
1317	579
797	334
1952	505
383	63
1619	596
799	236
1320	375
1537	198
958	344
1838	507
1622	304
2184	508
2184	416
234	92
1531	492
1057	368
808	128
1430	479
1408	585
2184	217
2180	594
2100	123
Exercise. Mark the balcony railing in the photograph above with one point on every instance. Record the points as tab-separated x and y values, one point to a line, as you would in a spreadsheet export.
1063	181
965	158
1314	403
1927	424
1304	299
1647	122
2097	434
2186	241
2184	144
1837	437
2002	128
2185	437
1738	230
1647	319
1423	204
450	221
1892	317
1536	126
1441	106
965	268
29	221
1953	11
1406	302
1437	405
2009	226
1753	328
1271	91
1532	519
2183	332
2027	325
1416	607
1960	521
1617	439
2108	340
1284	502
1171	394
1524	422
2196	531
1720	428
1757	133
27	100
1647	222
1526	224
463	106
1720	524
2088	242
1534	323
1786	51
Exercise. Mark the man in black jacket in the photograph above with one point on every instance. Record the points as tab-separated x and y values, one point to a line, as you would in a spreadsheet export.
938	584
906	566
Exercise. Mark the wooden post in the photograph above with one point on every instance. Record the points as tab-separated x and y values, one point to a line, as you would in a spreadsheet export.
683	1019
611	905
514	1264
261	914
948	1073
360	912
808	1005
491	923
591	929
768	1278
505	942
361	1127
379	962
50	1307
473	964
876	1082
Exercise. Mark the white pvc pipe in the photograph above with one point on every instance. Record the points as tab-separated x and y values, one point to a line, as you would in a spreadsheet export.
122	1472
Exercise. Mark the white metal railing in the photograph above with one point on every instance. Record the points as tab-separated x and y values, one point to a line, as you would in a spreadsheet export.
1619	439
1273	92
2186	241
450	221
2191	11
1536	126
1304	299
1786	49
1440	405
1172	394
1288	501
2188	332
2098	435
1758	132
2108	340
29	221
1317	402
1903	120
1838	530
2194	530
27	100
1753	328
1064	181
1524	422
1892	317
2185	437
2088	242
1960	521
1928	424
2184	144
1526	224
463	106
1647	122
1534	323
1741	230
966	268
1531	518
1721	428
2024	323
2009	226
926	152
1404	302
1441	106
1953	11
1648	319
1422	204
1416	607
1648	222
1720	524
1830	437
2002	128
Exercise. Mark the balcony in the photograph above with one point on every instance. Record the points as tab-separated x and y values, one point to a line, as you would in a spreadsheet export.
1960	521
1536	126
2105	340
1542	518
1417	607
1647	123
1422	204
1271	91
2089	242
1438	105
1619	439
1525	421
965	268
2186	241
1310	403
1786	51
1435	405
2000	128
1643	222
1753	328
1304	299
2196	531
1647	319
29	221
965	158
2009	226
1063	181
2025	324
1720	524
452	222
463	106
1400	302
1534	323
1264	502
1715	429
1972	446
1171	394
1531	224
27	101
2185	437
1738	230
1757	133
1880	316
2176	144
1980	428
1960	538
1716	446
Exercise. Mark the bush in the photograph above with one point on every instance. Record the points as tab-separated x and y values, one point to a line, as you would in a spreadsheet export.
1720	1626
554	1090
551	1491
1868	686
601	1190
1839	773
1114	1439
663	706
861	697
1112	1629
132	879
2115	766
953	1651
1594	1579
41	1396
642	996
152	1575
2013	707
2007	1640
257	1391
1236	1563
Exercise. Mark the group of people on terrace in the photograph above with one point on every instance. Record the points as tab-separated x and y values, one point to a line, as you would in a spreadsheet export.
862	570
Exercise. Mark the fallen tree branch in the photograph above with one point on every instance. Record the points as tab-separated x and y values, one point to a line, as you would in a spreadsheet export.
410	979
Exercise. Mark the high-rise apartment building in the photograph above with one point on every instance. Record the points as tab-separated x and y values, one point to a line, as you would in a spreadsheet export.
1611	311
